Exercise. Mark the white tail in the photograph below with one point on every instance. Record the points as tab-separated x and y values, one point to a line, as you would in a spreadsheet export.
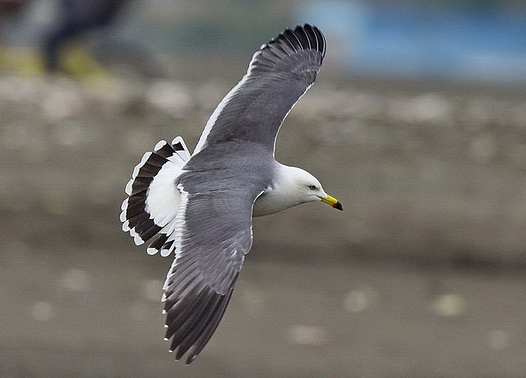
153	199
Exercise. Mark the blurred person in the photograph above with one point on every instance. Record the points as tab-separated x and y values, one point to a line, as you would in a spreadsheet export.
76	18
8	7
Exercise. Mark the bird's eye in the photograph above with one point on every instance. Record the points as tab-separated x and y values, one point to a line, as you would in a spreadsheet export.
312	187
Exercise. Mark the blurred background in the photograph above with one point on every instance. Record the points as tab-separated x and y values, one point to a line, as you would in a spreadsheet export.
417	124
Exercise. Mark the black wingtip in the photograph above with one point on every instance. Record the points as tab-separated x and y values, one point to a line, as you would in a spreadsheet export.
192	320
306	43
308	36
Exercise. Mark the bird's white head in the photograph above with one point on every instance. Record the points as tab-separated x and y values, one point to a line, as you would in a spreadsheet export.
292	186
307	188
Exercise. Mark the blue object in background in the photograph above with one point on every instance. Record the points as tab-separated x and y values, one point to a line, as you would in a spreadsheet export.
423	42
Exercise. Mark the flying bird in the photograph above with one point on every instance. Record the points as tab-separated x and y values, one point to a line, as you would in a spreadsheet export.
200	206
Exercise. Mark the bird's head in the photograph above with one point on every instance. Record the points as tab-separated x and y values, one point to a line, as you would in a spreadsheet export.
309	189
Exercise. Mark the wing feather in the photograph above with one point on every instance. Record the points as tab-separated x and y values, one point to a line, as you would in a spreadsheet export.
277	76
213	233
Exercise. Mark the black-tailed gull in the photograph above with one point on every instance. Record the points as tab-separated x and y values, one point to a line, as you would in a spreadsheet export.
201	205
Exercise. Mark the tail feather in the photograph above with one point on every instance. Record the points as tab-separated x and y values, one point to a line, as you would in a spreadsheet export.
153	199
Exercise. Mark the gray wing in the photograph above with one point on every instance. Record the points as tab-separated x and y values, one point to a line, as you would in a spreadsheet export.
278	75
213	233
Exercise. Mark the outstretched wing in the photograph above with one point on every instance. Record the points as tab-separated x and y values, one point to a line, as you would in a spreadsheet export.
213	233
278	75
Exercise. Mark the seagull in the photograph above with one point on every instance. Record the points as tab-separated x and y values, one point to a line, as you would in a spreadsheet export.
200	206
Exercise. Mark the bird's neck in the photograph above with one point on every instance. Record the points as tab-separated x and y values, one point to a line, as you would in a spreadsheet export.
280	195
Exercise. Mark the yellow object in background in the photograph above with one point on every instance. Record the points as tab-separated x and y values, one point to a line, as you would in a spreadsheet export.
28	61
21	61
78	63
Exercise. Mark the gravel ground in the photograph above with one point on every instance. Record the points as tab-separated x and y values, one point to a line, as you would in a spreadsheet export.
419	277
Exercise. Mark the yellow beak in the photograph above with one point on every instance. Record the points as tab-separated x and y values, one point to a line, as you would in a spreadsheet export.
332	201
